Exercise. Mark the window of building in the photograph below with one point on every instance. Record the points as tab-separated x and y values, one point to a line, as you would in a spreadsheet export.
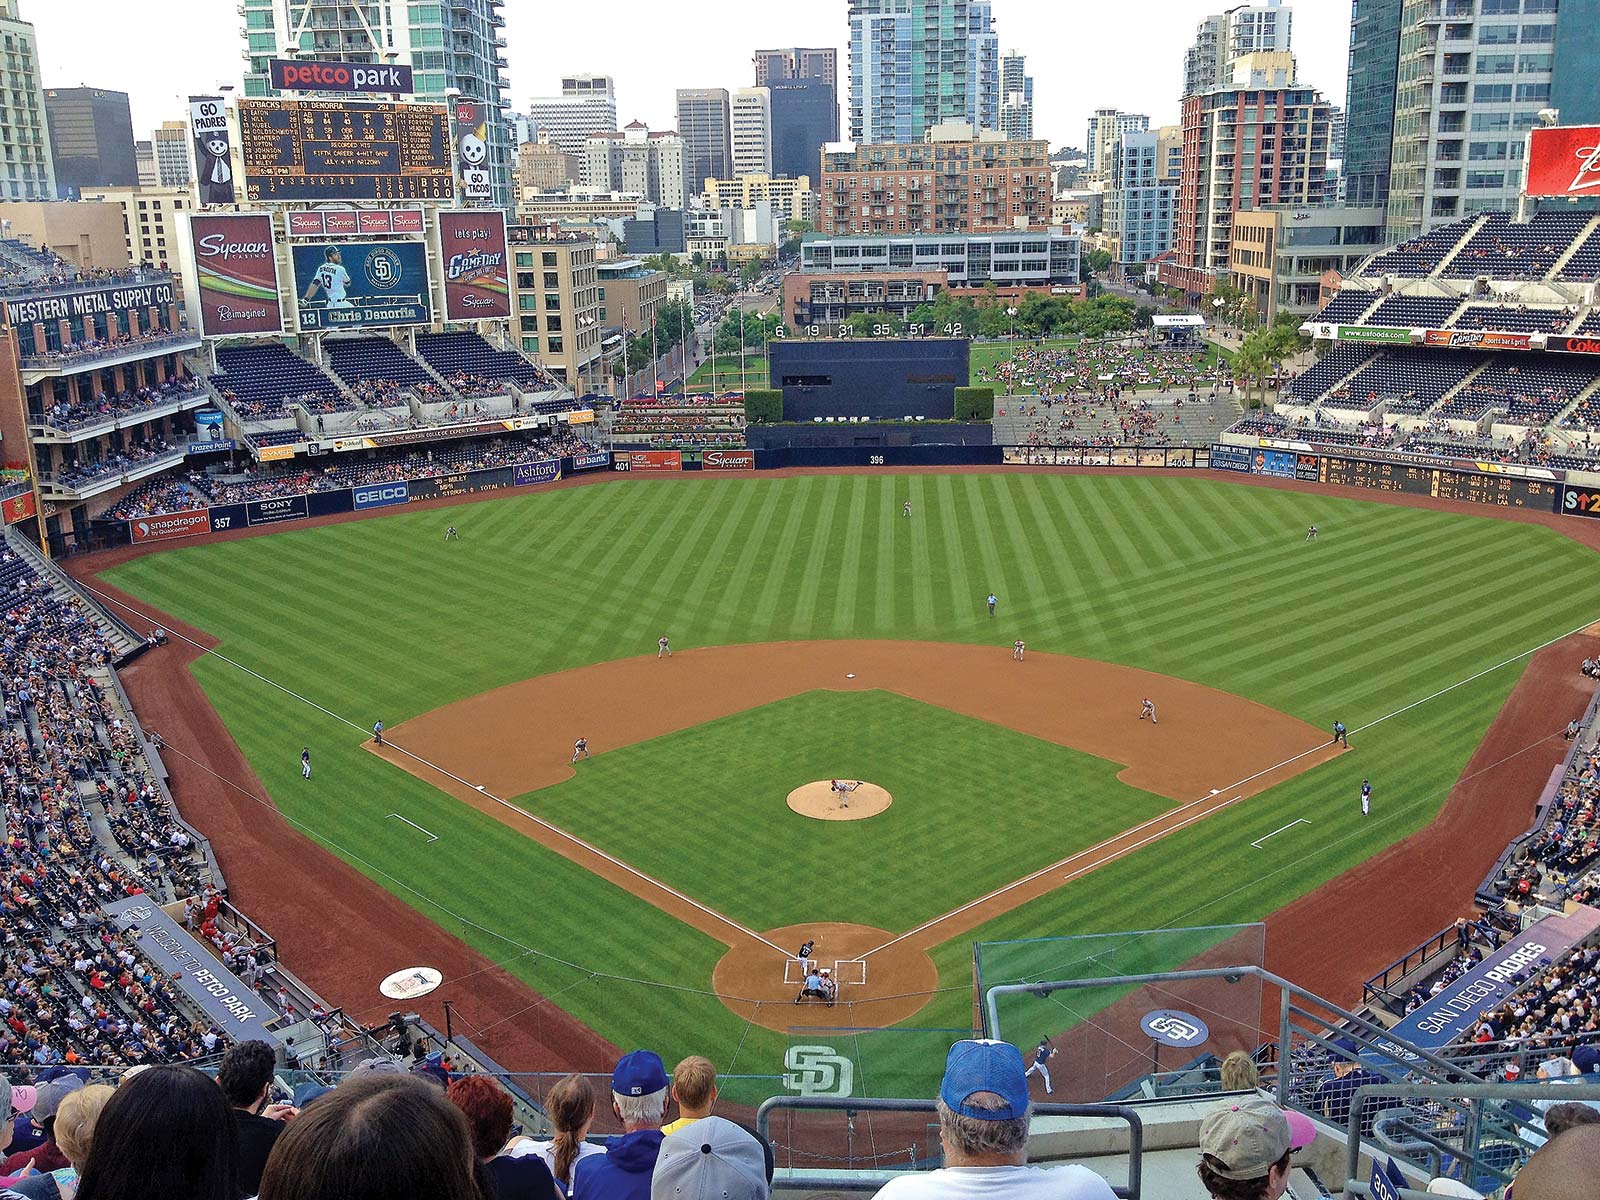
1497	35
1485	179
1536	64
556	345
1533	93
1532	34
1491	93
1497	64
1490	122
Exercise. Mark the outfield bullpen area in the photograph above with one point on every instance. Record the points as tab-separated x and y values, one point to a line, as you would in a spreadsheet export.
489	656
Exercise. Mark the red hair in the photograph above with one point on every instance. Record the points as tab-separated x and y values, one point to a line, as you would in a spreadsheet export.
487	1106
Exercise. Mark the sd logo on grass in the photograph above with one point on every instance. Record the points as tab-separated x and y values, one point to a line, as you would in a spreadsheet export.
818	1071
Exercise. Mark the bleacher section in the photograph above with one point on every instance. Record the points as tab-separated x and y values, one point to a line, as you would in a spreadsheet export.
1533	392
1409	380
1514	319
1503	249
1584	265
371	359
455	354
260	381
1420	256
1328	370
1346	307
1414	312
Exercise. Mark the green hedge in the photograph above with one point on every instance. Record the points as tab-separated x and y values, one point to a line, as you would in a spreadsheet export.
764	406
975	403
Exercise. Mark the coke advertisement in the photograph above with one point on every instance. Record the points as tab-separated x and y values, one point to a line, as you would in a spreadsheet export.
477	278
1564	161
237	274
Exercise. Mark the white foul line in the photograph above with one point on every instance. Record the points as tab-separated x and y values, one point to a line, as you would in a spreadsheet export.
1276	832
432	837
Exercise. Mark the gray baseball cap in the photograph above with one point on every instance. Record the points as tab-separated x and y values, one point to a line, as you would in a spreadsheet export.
710	1159
51	1095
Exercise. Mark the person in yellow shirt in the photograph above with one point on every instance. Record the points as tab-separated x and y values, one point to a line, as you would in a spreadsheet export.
694	1087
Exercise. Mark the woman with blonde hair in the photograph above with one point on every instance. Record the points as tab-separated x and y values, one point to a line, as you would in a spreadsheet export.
75	1121
1239	1073
570	1106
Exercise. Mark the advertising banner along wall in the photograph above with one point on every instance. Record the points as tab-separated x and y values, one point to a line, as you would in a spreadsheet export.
477	279
645	461
349	222
311	75
728	460
354	285
237	274
1564	161
91	302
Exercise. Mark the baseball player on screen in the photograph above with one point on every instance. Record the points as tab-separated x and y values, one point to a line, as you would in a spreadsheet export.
333	279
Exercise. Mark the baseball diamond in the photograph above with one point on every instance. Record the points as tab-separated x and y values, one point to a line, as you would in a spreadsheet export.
818	634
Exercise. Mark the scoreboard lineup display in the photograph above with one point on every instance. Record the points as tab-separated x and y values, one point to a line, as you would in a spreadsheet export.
345	150
1507	491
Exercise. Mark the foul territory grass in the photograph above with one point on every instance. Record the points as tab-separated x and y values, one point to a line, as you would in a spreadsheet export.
1038	802
1187	576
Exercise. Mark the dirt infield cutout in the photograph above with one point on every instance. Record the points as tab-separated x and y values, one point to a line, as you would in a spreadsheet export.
1210	750
822	801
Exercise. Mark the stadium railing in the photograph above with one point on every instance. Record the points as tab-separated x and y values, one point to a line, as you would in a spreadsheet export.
809	1180
1481	1131
1383	984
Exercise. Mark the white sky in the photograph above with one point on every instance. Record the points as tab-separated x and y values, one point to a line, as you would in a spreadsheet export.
1083	54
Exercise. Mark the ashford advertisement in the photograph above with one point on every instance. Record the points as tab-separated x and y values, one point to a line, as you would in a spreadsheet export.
237	274
361	285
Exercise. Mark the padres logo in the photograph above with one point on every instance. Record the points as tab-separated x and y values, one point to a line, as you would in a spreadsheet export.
818	1071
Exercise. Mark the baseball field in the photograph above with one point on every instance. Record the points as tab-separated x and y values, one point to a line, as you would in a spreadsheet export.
657	890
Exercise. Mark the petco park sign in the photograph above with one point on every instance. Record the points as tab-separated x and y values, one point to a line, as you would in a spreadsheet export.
309	75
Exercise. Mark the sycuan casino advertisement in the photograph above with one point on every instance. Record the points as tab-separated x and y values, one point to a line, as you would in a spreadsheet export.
237	274
472	246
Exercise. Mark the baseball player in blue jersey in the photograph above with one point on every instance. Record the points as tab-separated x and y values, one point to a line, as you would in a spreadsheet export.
1366	797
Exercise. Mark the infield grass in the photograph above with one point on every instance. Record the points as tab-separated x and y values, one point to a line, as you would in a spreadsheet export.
1191	577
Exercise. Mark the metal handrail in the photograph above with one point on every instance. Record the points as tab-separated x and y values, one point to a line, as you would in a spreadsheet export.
1505	1093
837	1182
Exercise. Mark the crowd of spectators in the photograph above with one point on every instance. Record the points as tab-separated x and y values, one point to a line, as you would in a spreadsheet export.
200	490
102	345
84	825
673	422
1092	371
1113	420
1432	437
116	462
76	413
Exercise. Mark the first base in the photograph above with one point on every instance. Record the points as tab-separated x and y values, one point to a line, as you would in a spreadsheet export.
849	676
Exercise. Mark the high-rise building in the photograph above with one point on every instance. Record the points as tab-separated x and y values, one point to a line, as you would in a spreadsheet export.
1105	127
555	296
1287	124
91	139
1016	97
30	172
144	156
750	131
1140	203
543	164
790	199
703	124
1222	39
1470	82
1369	99
915	64
637	161
455	50
586	106
1169	153
170	141
805	118
797	62
956	181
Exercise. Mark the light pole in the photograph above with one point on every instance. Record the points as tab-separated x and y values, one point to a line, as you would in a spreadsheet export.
1012	313
741	351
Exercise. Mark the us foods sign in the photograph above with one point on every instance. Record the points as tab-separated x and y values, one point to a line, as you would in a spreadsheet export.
236	271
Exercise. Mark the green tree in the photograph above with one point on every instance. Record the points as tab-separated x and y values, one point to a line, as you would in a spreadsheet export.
1100	261
749	272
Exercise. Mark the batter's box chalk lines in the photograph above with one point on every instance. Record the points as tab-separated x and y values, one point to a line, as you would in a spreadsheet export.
858	967
432	837
1297	821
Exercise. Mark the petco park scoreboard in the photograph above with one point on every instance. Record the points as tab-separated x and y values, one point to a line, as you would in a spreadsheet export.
304	150
1507	491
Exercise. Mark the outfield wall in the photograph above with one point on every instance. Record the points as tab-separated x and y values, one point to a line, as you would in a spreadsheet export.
1509	485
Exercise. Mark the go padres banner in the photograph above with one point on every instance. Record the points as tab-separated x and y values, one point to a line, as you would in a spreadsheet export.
236	271
477	279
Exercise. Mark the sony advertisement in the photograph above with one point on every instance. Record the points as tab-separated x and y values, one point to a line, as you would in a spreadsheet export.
236	271
477	280
361	285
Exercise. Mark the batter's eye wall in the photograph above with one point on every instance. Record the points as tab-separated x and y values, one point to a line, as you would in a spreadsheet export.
881	380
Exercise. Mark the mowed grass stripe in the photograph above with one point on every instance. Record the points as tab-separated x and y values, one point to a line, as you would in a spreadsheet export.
821	503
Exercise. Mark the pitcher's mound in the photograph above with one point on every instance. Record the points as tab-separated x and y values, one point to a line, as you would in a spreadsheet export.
819	800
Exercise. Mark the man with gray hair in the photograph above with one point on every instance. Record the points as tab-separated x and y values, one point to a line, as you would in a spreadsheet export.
639	1098
983	1127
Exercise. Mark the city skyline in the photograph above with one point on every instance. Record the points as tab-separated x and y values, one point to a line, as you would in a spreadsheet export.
549	41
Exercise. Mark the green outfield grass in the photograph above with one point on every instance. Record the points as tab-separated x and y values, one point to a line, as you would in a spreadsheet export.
1040	802
1189	576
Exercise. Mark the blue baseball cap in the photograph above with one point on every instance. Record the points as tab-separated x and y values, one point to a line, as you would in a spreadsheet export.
639	1073
985	1066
